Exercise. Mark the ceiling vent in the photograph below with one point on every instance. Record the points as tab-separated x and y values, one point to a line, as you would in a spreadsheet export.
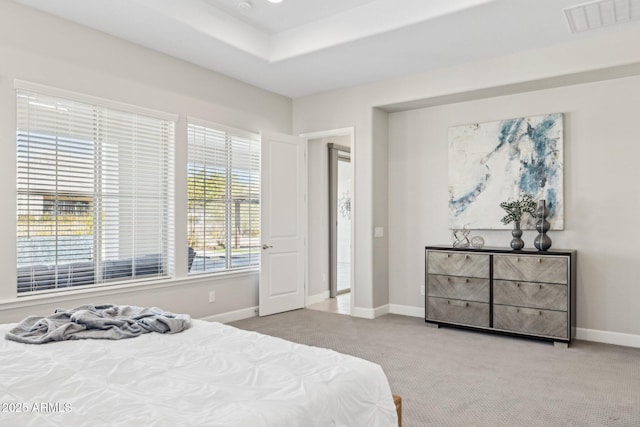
596	14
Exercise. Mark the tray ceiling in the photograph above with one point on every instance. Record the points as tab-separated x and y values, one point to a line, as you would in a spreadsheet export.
301	47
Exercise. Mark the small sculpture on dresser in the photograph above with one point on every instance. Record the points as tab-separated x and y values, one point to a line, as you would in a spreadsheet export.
461	238
477	242
542	242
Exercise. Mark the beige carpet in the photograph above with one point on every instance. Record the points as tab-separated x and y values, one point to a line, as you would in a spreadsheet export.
452	377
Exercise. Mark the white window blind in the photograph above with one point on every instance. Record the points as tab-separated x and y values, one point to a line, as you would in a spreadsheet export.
223	198
94	193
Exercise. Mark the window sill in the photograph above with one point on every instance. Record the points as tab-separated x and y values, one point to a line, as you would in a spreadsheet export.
101	291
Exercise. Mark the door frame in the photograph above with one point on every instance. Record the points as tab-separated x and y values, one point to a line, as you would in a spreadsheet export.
337	153
350	132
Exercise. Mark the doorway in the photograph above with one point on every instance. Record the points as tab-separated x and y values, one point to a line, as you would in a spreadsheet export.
320	273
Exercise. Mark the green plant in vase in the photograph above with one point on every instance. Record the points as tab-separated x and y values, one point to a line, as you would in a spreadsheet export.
515	210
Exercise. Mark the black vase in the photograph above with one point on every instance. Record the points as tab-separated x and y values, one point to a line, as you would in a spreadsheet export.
516	243
542	242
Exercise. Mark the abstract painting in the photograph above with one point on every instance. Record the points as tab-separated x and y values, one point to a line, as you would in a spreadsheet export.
499	161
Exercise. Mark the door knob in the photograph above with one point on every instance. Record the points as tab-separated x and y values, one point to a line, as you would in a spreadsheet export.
265	246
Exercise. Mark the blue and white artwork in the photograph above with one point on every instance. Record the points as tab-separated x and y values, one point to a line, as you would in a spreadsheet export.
493	162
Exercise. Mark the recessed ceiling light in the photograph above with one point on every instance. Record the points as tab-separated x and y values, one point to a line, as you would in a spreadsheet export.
274	1
245	5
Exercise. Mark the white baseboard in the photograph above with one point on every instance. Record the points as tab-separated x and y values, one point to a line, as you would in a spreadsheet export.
314	299
381	311
370	313
605	337
365	313
406	310
233	316
617	338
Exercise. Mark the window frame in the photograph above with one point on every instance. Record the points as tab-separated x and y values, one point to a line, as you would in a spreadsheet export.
230	134
167	164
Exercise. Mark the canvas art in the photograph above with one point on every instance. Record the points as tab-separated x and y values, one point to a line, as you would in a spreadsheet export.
499	161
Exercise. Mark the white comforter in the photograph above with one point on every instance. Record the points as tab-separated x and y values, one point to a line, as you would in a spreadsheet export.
209	375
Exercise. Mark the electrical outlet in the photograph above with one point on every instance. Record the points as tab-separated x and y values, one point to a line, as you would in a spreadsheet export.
422	290
212	296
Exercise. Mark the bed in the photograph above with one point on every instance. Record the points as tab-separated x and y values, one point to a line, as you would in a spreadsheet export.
208	375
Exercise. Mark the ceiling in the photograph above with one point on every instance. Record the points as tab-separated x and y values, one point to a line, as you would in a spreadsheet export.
300	47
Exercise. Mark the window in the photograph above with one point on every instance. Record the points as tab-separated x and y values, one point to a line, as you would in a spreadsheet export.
94	191
223	198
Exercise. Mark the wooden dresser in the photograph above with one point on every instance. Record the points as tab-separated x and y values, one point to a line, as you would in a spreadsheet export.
523	293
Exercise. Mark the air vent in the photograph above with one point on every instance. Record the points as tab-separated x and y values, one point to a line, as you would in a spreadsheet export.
592	15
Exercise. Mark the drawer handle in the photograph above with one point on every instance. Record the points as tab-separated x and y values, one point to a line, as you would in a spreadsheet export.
540	286
466	257
466	280
539	313
517	285
539	260
466	304
447	255
517	259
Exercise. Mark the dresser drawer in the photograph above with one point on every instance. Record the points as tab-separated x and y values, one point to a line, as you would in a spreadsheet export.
456	311
464	288
531	268
530	321
458	264
534	295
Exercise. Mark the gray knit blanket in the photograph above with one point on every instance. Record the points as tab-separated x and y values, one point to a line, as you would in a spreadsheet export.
106	321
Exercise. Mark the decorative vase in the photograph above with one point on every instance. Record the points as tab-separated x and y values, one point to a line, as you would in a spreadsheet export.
516	243
542	242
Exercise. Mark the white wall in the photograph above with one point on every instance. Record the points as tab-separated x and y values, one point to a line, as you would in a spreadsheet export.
604	56
600	181
380	201
39	48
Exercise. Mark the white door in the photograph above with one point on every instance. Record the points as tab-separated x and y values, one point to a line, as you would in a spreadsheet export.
283	216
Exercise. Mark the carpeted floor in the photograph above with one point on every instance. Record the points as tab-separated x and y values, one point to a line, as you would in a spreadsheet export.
452	377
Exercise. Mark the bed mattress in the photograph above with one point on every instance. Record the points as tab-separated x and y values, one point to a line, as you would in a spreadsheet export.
209	375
